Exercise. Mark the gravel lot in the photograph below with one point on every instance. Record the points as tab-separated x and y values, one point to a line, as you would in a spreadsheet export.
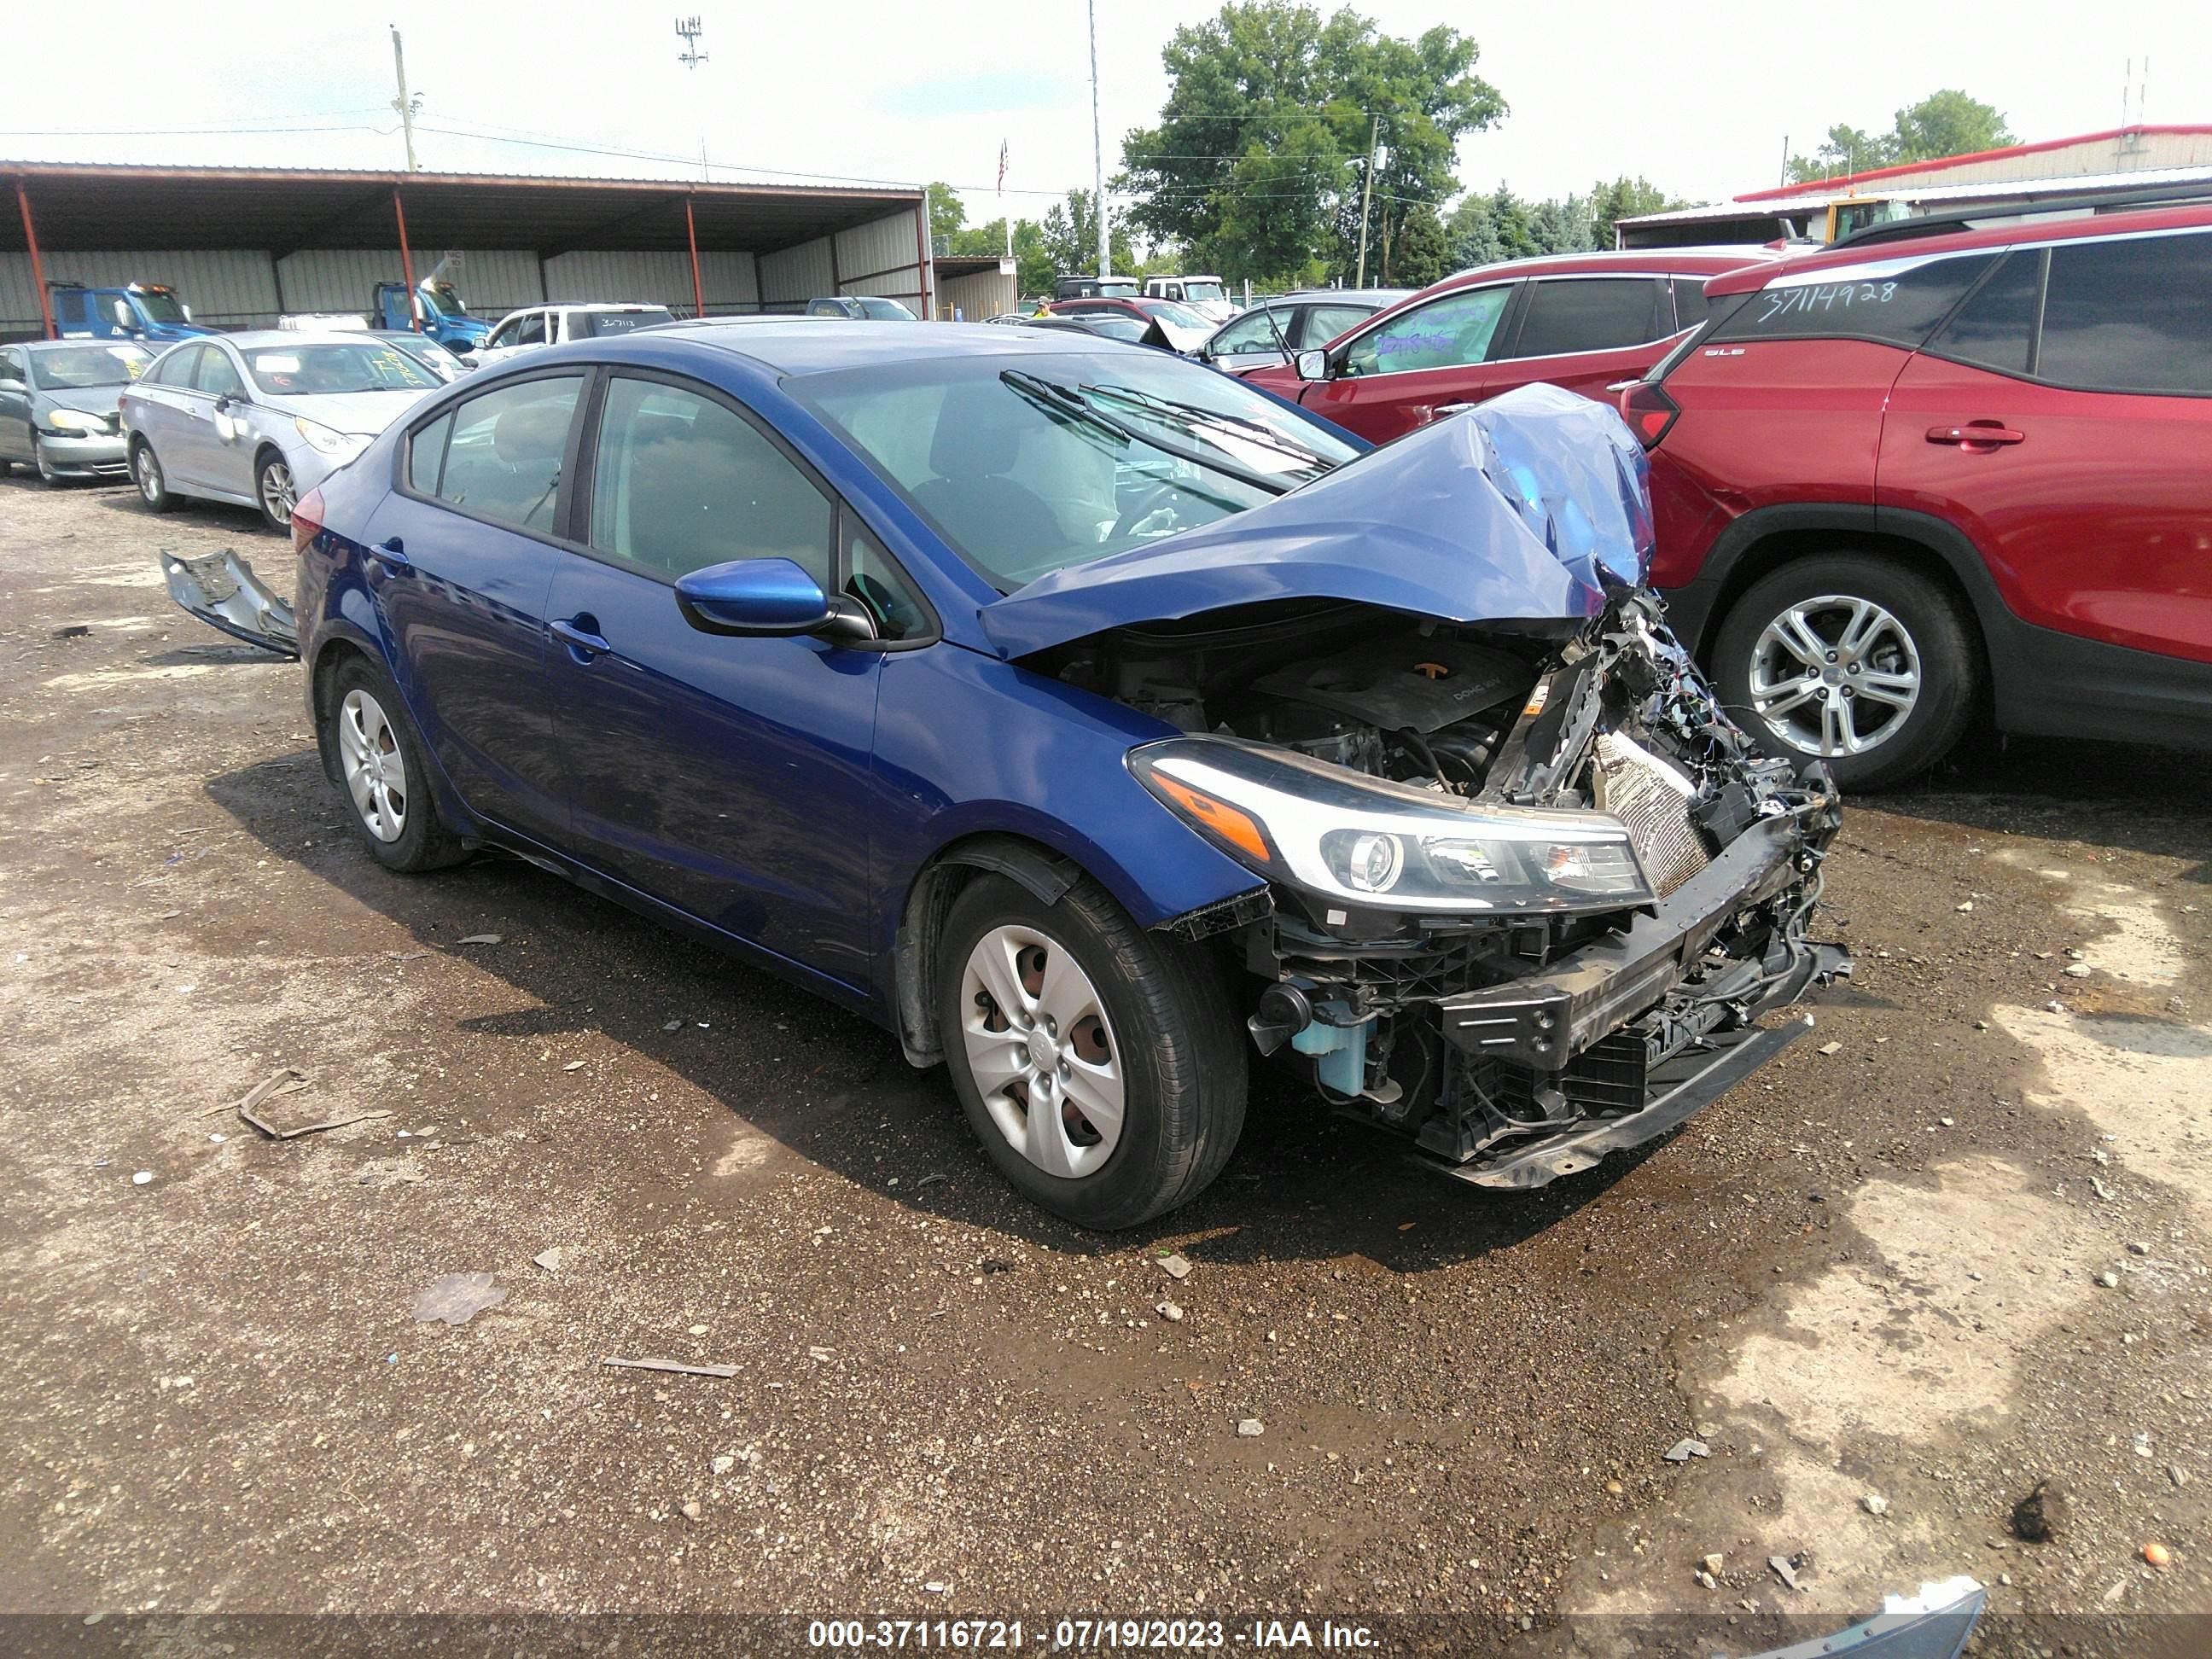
1874	1271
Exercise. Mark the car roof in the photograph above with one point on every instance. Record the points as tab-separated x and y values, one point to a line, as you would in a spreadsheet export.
1656	261
77	344
254	339
601	305
796	346
1899	254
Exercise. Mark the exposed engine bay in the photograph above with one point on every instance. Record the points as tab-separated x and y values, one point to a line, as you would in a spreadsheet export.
1514	1039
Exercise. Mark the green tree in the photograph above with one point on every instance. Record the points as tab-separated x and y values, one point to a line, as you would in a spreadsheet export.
1625	199
1071	237
1944	123
1258	164
947	212
1034	268
1948	123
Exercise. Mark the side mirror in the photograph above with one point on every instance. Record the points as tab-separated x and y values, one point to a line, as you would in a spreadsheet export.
766	598
1312	365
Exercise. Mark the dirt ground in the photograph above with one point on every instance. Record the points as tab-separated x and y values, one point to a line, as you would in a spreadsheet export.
1963	1253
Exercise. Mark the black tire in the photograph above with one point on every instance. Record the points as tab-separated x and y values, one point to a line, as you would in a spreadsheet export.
1932	637
423	840
153	482
1182	1051
267	462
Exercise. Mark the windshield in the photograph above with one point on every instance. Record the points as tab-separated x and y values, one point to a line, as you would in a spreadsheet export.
1201	292
444	298
72	368
887	311
162	305
600	325
324	370
1031	463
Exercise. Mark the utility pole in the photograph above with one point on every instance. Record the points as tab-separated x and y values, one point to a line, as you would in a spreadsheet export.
1098	148
688	31
1367	196
403	103
1784	178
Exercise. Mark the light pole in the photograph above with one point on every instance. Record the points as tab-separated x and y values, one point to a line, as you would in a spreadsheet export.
1098	148
403	103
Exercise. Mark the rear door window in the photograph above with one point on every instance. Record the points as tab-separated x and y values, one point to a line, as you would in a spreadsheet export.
1996	327
530	330
1588	313
680	481
503	458
2129	315
1884	302
1454	332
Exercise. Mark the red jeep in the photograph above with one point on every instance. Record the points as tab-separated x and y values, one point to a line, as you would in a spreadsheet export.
1935	469
1584	321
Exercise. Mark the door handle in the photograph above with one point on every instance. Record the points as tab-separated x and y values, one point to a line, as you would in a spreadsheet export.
393	554
1975	434
578	634
1442	410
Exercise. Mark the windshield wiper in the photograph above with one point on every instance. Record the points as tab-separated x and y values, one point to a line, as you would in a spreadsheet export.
1063	401
1194	416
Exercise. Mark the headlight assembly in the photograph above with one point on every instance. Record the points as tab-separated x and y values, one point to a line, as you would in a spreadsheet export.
1380	844
327	440
73	420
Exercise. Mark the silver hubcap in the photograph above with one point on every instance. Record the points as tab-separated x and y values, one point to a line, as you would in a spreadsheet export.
276	491
375	770
150	476
1835	675
1042	1051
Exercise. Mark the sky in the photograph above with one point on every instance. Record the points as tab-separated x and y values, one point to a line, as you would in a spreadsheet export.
1700	99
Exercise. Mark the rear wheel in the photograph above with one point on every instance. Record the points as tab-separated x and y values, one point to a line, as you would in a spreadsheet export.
1101	1065
146	473
381	769
273	488
1855	658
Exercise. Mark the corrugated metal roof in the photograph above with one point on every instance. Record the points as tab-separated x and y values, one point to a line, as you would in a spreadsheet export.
105	204
2011	190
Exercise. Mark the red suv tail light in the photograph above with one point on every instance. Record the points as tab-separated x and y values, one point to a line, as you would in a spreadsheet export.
1649	411
307	519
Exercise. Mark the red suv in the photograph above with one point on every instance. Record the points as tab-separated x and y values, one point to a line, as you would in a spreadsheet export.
1935	469
1584	321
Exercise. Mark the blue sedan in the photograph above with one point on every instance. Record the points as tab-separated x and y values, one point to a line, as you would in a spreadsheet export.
1095	721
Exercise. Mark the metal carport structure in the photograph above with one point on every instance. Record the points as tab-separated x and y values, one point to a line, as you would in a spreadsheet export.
243	245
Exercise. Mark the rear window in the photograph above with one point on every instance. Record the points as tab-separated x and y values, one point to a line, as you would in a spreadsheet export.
2129	316
603	324
1588	314
1870	303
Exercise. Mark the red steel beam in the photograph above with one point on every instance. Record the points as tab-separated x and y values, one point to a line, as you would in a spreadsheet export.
406	262
38	266
691	235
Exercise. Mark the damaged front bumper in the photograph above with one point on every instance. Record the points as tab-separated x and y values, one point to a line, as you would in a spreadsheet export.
221	590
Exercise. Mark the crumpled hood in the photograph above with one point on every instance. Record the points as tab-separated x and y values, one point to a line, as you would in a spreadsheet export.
1530	506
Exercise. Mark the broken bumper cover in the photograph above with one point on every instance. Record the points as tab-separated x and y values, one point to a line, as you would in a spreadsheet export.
1545	1021
1567	1023
221	590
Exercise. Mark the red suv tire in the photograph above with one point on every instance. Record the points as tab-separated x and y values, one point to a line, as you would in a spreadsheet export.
1856	646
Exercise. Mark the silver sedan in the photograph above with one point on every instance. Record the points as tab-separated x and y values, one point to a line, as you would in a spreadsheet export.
260	419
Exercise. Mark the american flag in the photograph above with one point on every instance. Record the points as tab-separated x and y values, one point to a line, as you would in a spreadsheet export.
1002	166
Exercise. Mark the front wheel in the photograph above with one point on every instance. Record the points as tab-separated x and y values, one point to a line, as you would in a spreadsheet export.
48	475
1852	658
273	488
1101	1067
146	473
